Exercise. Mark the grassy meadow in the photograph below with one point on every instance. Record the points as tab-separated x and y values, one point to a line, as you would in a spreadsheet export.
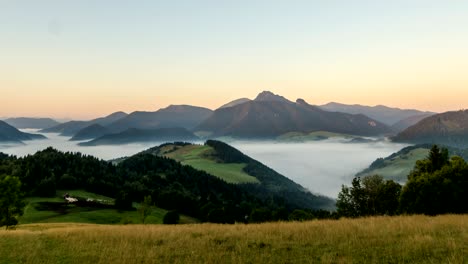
401	239
400	166
199	157
55	210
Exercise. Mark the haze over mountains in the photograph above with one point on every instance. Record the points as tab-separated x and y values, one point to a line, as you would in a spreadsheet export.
35	123
72	127
387	115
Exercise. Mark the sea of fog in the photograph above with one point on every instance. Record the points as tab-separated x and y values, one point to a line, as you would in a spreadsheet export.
320	166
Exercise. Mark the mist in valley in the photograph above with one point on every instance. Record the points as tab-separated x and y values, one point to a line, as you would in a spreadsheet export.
320	166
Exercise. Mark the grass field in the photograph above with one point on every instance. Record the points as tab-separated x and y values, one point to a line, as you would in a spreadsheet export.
399	167
55	210
402	239
199	157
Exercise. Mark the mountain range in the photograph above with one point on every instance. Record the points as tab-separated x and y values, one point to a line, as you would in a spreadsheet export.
270	116
72	127
387	115
134	135
34	123
10	134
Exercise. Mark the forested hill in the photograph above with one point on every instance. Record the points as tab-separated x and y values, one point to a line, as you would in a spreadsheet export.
228	163
170	184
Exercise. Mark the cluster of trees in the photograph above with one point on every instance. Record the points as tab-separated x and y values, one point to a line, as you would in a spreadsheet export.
437	185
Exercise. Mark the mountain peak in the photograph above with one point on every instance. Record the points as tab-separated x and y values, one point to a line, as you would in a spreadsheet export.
301	101
269	96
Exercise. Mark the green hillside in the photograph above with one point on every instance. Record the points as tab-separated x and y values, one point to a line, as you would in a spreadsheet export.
229	164
204	158
398	165
101	211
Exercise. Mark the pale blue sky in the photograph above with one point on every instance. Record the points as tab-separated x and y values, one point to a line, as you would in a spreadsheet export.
142	55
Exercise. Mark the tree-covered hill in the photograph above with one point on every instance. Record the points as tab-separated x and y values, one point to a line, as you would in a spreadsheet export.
226	162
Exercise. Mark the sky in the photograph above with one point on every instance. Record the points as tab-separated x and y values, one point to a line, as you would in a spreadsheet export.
84	59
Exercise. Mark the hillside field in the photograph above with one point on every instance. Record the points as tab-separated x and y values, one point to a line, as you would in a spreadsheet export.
401	239
400	166
55	210
200	158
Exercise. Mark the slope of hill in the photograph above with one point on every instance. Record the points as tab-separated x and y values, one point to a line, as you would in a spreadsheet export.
235	102
398	165
270	119
9	133
229	164
72	127
90	132
407	122
450	128
384	114
134	135
184	116
36	123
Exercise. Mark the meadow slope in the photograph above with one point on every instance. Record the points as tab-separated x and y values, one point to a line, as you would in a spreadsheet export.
402	239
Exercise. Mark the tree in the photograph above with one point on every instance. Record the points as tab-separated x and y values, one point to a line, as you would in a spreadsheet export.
171	218
11	201
145	208
436	186
371	195
123	201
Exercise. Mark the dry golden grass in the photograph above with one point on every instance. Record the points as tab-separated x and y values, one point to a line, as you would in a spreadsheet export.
403	239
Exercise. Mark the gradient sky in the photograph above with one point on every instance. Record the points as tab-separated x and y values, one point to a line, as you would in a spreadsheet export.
87	58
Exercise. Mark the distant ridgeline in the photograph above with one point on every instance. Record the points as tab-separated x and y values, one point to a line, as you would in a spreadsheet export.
171	185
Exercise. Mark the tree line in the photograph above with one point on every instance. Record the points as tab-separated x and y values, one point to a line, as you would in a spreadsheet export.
438	184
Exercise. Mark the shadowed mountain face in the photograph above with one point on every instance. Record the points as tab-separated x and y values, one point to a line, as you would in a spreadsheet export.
384	114
236	102
134	135
36	123
270	116
72	127
450	128
184	116
9	133
90	132
407	122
